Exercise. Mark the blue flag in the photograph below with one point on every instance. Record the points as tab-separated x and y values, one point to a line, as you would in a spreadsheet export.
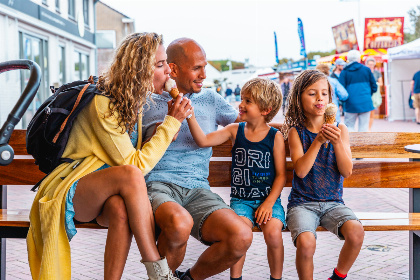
275	46
302	38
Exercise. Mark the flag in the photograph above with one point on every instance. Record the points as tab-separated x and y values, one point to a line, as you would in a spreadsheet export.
275	46
302	38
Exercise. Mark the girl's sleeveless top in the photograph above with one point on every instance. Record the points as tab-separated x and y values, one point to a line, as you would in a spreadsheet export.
323	182
253	169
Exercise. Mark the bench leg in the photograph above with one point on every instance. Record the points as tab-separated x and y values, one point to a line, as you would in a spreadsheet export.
3	205
3	258
414	259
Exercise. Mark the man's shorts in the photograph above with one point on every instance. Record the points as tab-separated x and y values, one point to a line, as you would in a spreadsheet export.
309	215
247	208
200	203
416	100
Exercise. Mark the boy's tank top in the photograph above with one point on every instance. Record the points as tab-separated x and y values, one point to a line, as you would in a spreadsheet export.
253	170
323	182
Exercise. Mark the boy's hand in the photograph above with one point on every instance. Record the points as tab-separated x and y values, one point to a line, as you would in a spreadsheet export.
331	132
263	213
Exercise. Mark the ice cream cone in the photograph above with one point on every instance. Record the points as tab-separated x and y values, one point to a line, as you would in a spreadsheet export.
329	115
330	119
174	92
170	86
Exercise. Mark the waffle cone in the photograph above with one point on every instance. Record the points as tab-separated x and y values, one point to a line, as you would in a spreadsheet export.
174	92
330	119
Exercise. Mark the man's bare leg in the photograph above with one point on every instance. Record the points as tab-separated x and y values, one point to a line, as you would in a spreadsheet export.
231	238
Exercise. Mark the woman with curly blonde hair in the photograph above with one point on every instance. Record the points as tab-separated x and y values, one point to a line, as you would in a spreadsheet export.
105	182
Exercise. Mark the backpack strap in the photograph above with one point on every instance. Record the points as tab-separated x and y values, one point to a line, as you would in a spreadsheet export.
79	97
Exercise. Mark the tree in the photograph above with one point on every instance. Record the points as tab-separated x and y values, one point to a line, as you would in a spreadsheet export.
414	14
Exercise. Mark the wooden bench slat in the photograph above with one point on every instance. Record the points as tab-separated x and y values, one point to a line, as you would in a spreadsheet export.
20	172
20	218
372	221
363	144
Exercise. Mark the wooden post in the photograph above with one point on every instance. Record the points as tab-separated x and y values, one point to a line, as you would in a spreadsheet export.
414	238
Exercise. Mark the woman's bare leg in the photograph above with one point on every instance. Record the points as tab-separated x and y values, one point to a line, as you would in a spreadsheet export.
127	181
118	241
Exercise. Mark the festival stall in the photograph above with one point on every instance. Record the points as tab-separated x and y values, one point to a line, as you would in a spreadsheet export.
403	62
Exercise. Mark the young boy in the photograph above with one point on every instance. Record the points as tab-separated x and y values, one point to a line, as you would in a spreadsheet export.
258	167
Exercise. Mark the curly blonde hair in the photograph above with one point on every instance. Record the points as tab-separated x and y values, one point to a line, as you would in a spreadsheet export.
295	115
266	94
129	79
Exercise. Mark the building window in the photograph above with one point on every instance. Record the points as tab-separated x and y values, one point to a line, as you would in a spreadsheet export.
81	66
106	39
86	11
72	9
57	5
36	49
61	65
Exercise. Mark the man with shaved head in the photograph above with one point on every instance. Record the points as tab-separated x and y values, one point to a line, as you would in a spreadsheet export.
180	194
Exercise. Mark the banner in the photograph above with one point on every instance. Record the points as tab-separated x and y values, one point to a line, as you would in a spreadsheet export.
383	33
302	38
345	37
275	46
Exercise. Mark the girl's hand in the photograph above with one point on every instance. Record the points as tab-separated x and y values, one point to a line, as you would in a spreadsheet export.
332	133
180	108
264	213
320	137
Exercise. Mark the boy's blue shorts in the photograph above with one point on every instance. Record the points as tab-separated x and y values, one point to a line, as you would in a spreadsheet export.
247	208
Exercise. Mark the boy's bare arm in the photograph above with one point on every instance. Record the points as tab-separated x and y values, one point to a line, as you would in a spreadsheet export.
212	139
264	212
303	162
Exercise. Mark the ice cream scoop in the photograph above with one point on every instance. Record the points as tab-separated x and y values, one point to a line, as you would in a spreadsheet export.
170	86
330	113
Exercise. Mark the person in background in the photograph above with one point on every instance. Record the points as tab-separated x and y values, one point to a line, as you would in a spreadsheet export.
376	96
339	92
339	66
237	93
285	88
359	82
228	93
415	88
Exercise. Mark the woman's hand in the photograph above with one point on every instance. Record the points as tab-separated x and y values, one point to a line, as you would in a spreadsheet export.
332	133
180	108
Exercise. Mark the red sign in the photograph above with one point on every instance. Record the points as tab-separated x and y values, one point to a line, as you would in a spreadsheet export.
383	33
345	37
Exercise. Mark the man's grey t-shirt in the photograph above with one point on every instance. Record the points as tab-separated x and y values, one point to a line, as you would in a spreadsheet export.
184	163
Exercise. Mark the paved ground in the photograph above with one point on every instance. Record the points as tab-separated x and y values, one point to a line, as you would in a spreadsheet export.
384	254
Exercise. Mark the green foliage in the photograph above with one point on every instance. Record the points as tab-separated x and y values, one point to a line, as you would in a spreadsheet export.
322	54
414	14
221	65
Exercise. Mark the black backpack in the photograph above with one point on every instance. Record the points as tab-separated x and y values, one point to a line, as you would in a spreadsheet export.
48	132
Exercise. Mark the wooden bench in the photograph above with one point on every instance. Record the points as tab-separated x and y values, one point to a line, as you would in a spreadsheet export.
385	170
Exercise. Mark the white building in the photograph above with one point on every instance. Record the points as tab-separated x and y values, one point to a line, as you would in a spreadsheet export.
57	34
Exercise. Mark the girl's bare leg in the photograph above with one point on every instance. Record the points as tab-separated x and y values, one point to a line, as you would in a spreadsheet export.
127	181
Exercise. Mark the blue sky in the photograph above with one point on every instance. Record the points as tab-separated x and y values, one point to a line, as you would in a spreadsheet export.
235	29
